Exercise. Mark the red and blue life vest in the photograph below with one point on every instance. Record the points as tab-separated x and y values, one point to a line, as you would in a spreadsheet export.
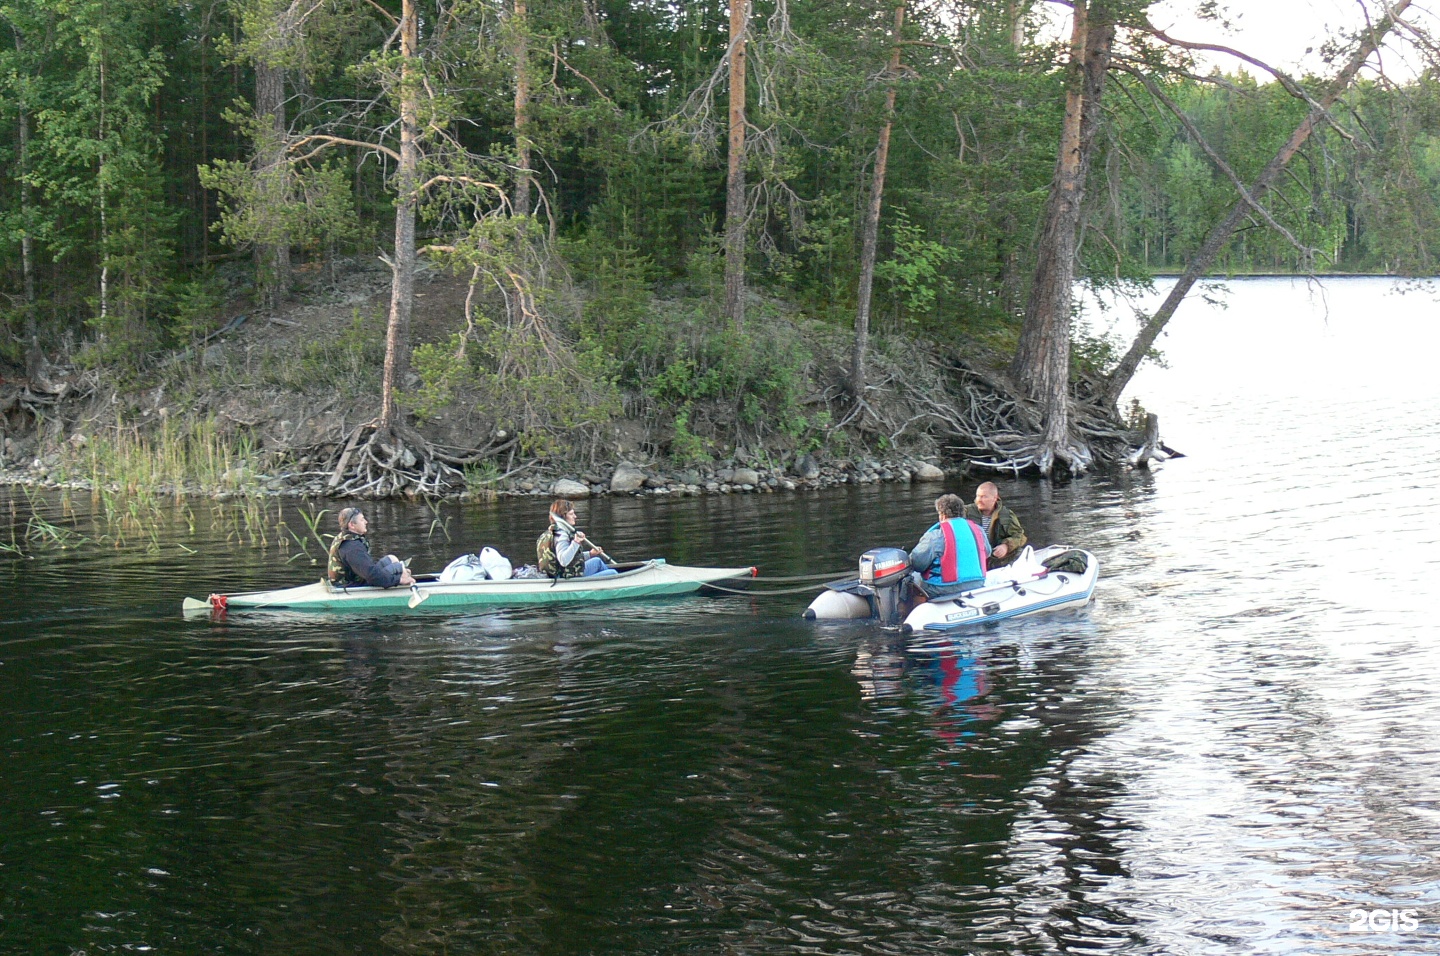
963	558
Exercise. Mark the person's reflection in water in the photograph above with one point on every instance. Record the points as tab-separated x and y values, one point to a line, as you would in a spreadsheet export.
963	684
955	681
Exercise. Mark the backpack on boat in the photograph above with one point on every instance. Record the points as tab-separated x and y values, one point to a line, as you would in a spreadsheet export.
1072	561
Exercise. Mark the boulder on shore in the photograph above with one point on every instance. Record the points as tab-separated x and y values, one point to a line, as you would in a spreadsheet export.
627	478
806	467
928	472
745	476
570	488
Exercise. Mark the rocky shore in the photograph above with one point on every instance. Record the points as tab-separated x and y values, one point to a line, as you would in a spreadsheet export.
730	477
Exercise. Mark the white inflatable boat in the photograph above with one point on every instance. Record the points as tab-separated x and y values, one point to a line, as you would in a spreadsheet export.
1050	579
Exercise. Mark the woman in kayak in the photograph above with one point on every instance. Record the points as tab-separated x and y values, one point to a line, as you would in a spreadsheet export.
350	561
563	551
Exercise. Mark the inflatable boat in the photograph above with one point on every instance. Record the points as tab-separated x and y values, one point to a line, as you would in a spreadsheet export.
1051	579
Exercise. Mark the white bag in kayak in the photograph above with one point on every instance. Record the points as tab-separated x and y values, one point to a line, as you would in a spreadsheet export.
496	565
467	567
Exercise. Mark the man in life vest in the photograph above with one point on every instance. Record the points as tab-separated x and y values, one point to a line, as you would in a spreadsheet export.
350	562
951	557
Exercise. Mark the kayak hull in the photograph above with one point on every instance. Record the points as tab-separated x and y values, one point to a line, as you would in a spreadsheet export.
654	578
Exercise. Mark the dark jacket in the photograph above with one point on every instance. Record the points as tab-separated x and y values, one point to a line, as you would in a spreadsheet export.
1004	528
357	567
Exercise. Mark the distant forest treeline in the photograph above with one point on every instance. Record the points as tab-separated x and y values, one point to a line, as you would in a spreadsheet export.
143	141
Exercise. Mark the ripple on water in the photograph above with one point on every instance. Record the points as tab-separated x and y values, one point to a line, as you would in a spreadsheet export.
1232	751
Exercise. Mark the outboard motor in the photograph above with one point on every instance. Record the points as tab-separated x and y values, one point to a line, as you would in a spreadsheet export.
885	571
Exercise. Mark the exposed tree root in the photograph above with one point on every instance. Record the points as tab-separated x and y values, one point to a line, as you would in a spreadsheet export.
375	462
977	415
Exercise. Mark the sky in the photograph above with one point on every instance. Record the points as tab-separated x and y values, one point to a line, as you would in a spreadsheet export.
1277	32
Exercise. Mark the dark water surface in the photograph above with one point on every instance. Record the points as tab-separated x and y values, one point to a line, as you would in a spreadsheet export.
1233	750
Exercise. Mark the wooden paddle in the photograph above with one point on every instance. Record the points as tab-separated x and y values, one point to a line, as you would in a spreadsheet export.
588	544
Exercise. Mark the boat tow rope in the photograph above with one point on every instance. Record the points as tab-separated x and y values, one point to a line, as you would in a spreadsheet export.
803	589
827	576
821	578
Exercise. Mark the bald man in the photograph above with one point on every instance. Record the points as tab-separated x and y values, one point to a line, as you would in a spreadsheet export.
1002	529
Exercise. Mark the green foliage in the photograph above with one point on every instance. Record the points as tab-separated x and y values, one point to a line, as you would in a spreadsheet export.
553	406
678	355
685	446
195	303
122	101
181	454
290	206
442	368
915	270
482	477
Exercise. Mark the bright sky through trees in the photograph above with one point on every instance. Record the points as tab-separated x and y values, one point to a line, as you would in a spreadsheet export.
1287	34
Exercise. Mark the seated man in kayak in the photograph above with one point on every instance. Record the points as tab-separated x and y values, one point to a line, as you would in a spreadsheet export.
1002	529
951	556
559	550
350	561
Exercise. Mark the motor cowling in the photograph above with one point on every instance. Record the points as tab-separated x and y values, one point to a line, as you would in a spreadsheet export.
884	567
885	571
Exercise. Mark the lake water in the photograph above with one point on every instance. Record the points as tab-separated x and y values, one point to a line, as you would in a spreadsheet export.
1232	751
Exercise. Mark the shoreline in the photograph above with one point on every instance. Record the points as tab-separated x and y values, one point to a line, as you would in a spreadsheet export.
625	478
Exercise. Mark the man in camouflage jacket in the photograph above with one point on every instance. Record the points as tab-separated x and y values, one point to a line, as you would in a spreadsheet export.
1002	528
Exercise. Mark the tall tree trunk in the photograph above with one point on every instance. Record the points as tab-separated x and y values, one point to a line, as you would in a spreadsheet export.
34	359
871	229
272	258
402	287
100	179
1220	234
1041	367
735	180
521	52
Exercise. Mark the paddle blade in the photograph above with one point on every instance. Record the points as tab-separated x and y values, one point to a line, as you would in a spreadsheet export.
417	596
190	604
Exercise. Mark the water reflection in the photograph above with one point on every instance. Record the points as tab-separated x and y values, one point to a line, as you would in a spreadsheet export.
1232	750
948	679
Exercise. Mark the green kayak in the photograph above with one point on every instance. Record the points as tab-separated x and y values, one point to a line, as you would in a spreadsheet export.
653	578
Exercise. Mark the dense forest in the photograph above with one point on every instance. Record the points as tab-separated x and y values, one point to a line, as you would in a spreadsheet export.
885	167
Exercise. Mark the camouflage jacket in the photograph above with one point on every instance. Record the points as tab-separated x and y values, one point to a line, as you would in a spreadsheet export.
1005	528
549	564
